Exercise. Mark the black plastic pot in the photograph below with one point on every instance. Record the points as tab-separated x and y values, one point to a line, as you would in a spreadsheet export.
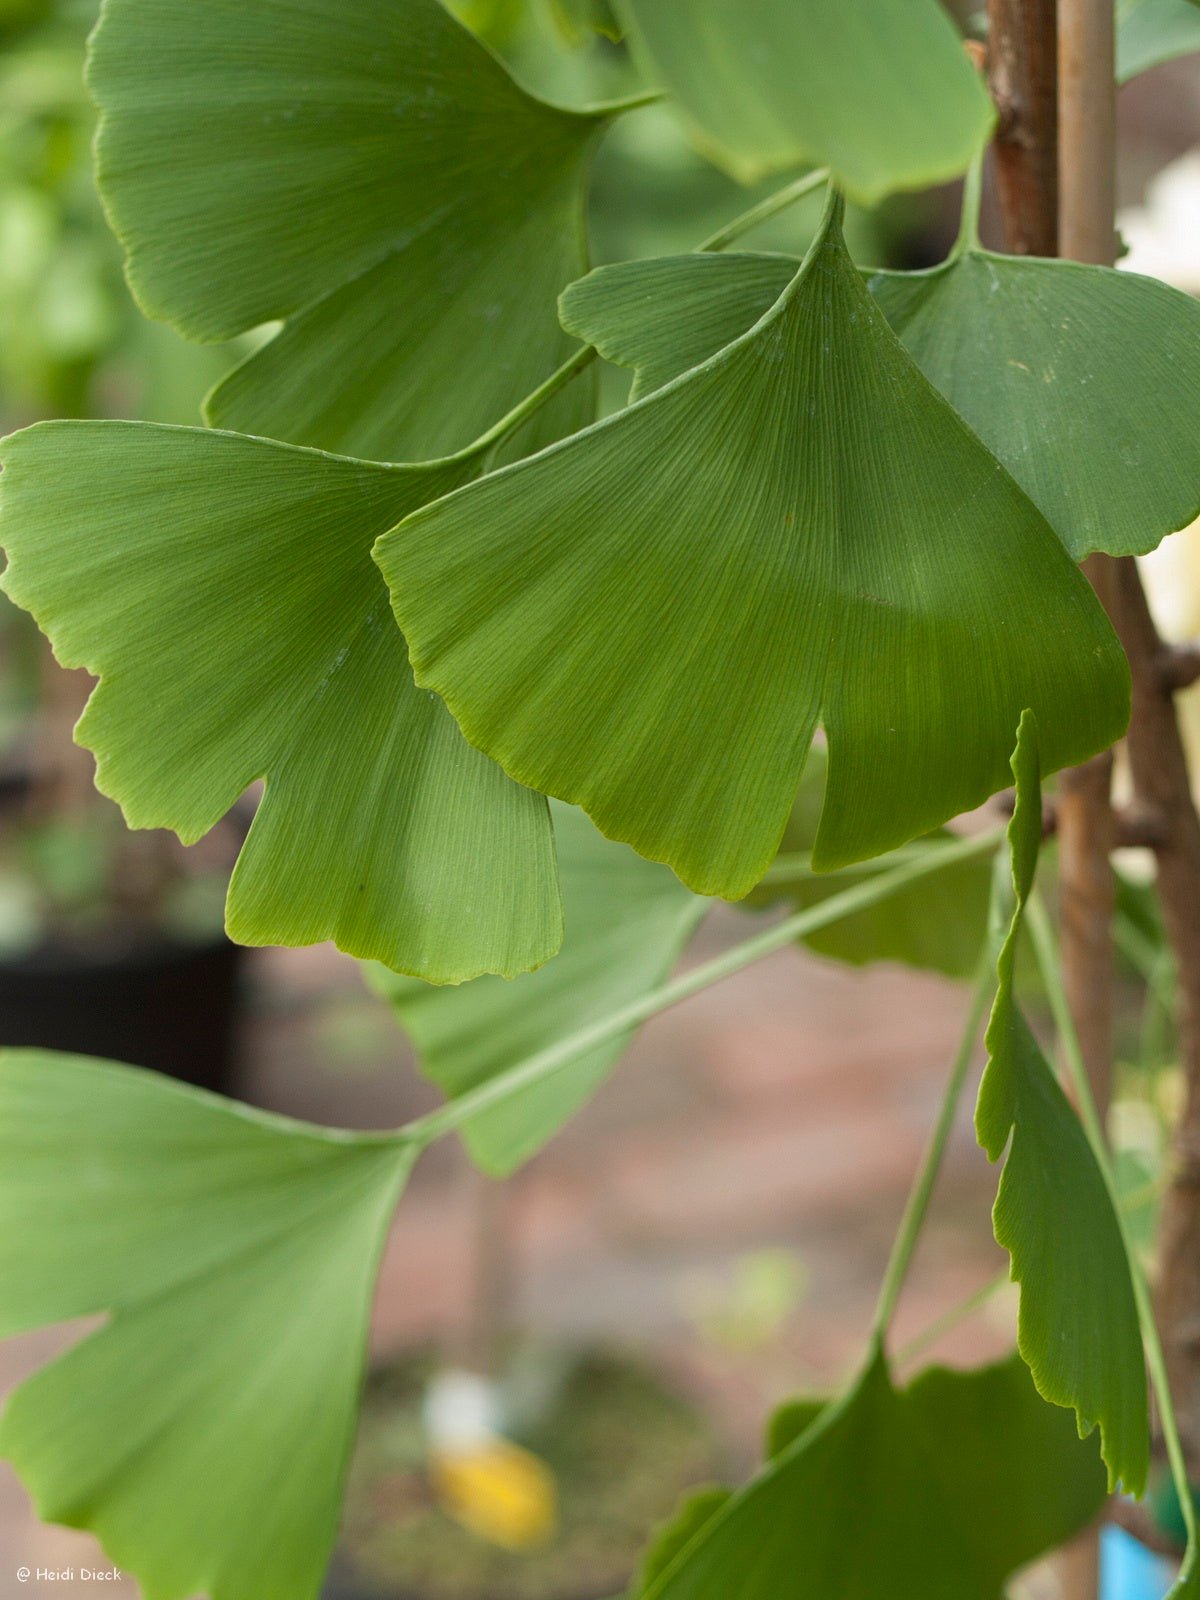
156	1003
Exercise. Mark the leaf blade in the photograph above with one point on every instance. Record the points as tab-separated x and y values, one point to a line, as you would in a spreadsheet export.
207	1231
626	921
877	90
246	565
1078	1327
770	497
880	1495
368	174
1038	357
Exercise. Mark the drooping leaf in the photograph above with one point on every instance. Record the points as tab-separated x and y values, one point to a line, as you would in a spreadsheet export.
937	1491
370	174
1078	1327
938	923
881	91
1080	379
649	618
203	1432
626	921
222	589
1152	31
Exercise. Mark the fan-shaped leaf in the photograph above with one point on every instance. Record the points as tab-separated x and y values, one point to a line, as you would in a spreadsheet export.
223	591
203	1432
1054	1215
626	922
1153	31
1080	379
371	174
881	91
649	618
933	1492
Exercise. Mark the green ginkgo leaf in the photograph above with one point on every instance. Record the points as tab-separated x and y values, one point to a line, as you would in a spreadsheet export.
1153	31
203	1432
370	174
880	91
697	1510
1078	1327
1082	380
222	590
938	924
881	1494
626	921
649	618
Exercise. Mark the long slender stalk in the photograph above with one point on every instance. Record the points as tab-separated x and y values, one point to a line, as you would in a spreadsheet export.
1045	948
583	358
789	866
532	403
765	209
959	1312
950	1319
545	1063
917	1207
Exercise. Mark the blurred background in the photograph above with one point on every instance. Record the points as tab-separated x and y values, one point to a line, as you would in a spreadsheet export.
707	1237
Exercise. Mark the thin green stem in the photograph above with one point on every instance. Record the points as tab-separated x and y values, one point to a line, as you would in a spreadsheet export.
1154	965
532	403
798	864
545	1063
765	209
583	357
1144	1194
972	201
951	1318
1046	949
917	1207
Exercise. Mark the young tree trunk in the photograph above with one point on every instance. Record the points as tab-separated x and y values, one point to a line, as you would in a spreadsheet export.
1087	161
1022	69
1163	795
1033	76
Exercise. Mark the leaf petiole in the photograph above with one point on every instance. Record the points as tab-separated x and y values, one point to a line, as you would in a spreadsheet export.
764	210
545	1063
917	1206
583	358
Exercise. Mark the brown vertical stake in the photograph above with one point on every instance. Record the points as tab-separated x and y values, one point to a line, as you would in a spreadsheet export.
1087	188
1087	154
1035	78
1156	754
1161	784
1022	67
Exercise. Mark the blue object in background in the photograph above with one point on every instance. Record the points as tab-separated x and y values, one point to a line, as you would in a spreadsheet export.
1128	1571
